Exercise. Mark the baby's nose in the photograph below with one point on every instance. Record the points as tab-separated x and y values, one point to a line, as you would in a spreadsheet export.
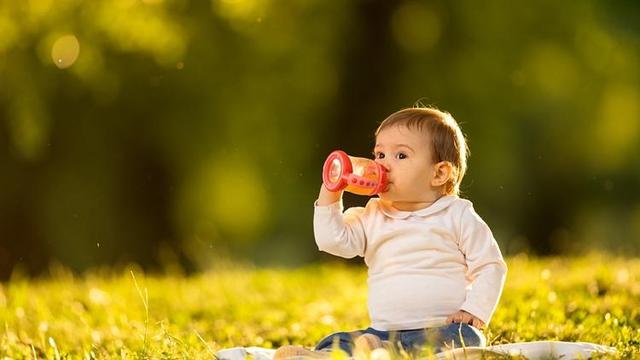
383	163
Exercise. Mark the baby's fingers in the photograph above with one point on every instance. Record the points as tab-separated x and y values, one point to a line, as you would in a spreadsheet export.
466	318
456	317
477	323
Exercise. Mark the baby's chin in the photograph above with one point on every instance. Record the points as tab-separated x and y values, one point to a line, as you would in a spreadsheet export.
388	196
392	196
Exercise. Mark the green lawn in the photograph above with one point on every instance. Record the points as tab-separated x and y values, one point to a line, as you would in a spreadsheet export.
106	315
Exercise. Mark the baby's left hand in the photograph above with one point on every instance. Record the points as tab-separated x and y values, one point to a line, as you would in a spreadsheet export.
462	316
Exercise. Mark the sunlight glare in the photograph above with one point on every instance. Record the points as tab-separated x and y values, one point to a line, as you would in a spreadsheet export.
65	51
545	274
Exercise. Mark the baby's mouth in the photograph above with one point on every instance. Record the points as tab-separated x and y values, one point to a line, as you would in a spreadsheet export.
387	187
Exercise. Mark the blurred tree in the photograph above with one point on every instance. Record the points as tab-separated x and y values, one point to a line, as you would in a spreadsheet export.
177	131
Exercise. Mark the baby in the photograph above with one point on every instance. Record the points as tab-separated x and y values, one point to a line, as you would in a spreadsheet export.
435	272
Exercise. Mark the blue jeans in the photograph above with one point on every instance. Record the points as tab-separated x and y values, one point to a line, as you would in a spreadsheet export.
412	341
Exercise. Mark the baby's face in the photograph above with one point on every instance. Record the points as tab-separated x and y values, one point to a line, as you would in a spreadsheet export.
407	154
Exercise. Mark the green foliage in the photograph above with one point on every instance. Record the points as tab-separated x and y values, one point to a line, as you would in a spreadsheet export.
106	315
131	129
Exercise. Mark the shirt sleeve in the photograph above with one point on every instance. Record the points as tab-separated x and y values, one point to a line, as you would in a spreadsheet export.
486	268
337	233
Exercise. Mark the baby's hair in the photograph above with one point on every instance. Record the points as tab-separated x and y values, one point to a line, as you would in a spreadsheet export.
448	141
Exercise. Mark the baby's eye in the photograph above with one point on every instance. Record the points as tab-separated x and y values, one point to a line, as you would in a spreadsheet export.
379	155
401	156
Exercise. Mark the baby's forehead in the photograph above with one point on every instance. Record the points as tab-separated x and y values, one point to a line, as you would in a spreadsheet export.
414	139
402	132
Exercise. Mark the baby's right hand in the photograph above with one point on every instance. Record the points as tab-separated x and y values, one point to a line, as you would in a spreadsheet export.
327	197
462	316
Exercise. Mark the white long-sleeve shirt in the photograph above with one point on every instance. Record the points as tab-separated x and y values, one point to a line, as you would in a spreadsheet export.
423	265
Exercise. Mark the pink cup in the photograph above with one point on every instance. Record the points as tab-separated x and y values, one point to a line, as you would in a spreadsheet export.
353	174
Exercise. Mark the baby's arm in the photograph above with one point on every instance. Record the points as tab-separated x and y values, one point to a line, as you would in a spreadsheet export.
337	233
486	268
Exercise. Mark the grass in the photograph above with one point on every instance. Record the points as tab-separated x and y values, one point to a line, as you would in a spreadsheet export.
103	314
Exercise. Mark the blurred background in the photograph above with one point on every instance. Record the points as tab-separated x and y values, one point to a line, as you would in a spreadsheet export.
183	132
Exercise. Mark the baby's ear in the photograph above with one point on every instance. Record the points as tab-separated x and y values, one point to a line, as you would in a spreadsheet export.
442	172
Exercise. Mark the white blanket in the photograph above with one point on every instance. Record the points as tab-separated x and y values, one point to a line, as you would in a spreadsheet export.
530	350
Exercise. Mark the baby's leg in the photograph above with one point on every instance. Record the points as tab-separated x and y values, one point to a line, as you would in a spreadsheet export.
452	335
460	334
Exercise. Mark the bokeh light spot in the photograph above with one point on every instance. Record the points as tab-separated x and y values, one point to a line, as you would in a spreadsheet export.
416	27
239	201
616	131
239	9
65	51
225	197
553	70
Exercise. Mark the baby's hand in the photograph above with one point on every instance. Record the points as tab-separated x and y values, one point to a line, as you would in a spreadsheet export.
462	316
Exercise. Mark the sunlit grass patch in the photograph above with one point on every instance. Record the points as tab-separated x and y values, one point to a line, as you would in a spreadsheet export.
103	314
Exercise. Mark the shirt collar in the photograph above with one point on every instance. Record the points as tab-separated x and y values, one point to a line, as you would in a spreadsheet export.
440	204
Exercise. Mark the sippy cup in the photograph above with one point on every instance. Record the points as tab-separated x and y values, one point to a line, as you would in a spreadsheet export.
353	174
